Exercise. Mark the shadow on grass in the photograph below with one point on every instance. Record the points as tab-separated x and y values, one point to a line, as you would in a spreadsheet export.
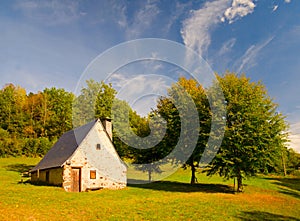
41	183
293	185
171	186
259	215
20	168
292	193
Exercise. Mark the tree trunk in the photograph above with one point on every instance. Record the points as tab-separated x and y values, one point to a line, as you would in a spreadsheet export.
283	164
150	175
239	182
43	134
193	178
233	183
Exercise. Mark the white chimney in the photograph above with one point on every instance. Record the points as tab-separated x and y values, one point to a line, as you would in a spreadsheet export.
108	127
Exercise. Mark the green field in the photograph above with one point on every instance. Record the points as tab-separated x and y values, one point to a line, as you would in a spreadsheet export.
265	198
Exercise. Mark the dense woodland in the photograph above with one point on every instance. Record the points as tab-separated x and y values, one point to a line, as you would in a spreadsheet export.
254	141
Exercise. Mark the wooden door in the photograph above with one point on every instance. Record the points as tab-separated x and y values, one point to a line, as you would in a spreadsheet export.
76	180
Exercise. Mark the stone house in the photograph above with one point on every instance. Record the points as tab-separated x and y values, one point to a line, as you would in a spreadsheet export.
83	159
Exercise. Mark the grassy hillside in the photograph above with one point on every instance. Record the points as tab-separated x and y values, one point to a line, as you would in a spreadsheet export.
265	198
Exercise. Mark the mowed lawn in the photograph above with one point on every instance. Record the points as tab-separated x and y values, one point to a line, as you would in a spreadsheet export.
265	198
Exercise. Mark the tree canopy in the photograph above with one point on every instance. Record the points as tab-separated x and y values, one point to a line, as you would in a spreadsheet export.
254	140
255	134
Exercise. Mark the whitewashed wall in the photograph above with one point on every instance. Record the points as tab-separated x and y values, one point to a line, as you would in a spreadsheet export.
110	170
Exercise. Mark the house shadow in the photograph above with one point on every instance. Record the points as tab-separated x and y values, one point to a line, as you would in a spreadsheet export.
172	186
24	169
20	168
289	186
260	215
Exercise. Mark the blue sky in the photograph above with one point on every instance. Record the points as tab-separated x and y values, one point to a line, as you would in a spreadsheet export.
50	43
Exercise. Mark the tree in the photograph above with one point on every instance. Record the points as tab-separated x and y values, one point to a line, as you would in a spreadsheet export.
120	129
148	160
57	110
35	115
12	102
27	118
293	161
84	106
104	101
94	101
135	140
171	112
255	132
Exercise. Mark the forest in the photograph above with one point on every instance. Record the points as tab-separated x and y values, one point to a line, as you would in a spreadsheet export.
255	138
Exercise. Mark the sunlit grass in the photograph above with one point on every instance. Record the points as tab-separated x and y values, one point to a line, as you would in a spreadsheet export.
273	198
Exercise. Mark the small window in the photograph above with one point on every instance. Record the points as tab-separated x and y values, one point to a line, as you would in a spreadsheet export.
93	174
98	147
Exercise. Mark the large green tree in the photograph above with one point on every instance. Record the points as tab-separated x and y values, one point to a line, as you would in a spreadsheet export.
84	105
171	112
255	134
104	101
149	160
57	111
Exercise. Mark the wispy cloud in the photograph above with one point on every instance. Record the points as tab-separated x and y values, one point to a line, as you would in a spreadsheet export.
287	1
196	29
53	12
223	54
227	46
179	10
122	21
249	59
238	9
142	19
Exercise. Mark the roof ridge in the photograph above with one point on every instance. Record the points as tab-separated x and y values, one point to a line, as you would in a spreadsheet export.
65	147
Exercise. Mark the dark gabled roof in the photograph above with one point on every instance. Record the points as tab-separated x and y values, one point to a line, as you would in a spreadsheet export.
64	147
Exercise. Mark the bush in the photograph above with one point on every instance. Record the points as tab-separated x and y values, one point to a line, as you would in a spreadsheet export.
29	147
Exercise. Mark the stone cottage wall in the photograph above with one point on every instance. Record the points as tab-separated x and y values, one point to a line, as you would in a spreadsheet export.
110	171
55	176
67	178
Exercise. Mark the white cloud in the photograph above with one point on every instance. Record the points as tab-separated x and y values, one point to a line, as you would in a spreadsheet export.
287	1
196	29
248	60
118	80
141	91
137	72
295	142
52	12
295	136
295	127
275	7
239	8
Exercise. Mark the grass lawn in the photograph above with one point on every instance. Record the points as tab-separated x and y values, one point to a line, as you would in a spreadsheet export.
265	198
